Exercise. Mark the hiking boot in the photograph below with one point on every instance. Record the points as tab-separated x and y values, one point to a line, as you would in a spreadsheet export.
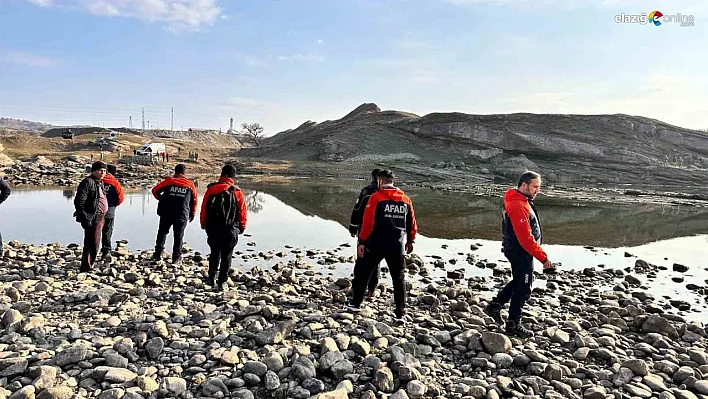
514	327
156	256
493	310
209	282
353	308
400	313
177	261
85	269
221	286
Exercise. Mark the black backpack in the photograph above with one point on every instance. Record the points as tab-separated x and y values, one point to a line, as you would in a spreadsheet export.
221	209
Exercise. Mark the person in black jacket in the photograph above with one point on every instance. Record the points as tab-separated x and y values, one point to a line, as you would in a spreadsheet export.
177	205
355	224
5	191
91	207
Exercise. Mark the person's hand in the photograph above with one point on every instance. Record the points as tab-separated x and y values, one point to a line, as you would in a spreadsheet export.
191	218
547	264
360	251
409	248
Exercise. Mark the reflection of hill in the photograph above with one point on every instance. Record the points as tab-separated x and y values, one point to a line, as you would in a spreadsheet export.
454	215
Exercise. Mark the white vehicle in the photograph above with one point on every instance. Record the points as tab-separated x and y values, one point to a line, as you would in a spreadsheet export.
153	149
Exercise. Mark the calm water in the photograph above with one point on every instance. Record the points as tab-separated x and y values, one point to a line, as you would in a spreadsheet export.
314	214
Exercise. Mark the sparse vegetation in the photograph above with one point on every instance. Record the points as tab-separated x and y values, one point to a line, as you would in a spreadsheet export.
254	132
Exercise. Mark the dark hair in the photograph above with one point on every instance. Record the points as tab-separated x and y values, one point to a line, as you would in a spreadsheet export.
527	177
386	175
228	171
180	169
375	173
112	169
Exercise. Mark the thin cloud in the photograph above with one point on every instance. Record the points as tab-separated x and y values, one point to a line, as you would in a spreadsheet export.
42	3
26	58
175	14
301	57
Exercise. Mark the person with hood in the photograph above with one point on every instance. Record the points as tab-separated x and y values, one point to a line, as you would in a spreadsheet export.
223	216
91	206
521	243
388	232
114	194
355	223
177	205
5	191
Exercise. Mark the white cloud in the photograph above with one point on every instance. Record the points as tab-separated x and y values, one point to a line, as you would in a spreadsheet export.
42	3
26	58
176	14
301	57
320	42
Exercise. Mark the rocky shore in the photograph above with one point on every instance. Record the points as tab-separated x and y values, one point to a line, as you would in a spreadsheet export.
133	329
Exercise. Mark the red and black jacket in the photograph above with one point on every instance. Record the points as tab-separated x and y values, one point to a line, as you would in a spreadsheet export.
216	188
177	198
521	227
114	194
389	221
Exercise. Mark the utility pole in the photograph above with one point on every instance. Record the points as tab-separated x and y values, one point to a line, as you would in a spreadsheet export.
172	121
130	122
143	118
148	125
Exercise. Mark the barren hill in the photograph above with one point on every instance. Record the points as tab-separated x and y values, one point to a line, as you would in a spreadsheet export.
566	148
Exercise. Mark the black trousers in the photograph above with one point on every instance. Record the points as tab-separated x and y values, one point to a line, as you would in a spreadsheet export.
374	279
178	226
369	264
518	290
222	248
92	241
107	235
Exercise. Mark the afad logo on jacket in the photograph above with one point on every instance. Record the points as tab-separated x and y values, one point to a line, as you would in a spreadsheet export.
400	211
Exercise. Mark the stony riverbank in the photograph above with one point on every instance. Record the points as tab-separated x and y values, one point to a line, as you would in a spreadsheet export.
134	329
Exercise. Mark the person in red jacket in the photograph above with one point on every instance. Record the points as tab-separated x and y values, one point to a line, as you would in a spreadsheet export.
177	205
521	243
114	195
224	217
387	231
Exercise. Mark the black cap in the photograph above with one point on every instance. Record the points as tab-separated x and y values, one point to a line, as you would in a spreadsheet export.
98	165
228	171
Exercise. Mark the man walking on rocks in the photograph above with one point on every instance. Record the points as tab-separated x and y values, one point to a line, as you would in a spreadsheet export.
91	206
521	242
224	217
114	194
387	232
177	206
355	223
5	191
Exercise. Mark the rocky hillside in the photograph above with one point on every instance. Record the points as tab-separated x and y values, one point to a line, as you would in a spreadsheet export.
20	125
565	148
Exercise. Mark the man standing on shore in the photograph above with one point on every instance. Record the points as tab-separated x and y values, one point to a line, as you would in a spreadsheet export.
224	217
388	231
177	205
114	194
521	242
355	224
91	206
5	191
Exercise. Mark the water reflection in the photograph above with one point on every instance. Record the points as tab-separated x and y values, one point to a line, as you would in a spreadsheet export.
457	216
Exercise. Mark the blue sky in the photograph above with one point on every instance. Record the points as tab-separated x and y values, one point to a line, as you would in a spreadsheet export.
281	63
